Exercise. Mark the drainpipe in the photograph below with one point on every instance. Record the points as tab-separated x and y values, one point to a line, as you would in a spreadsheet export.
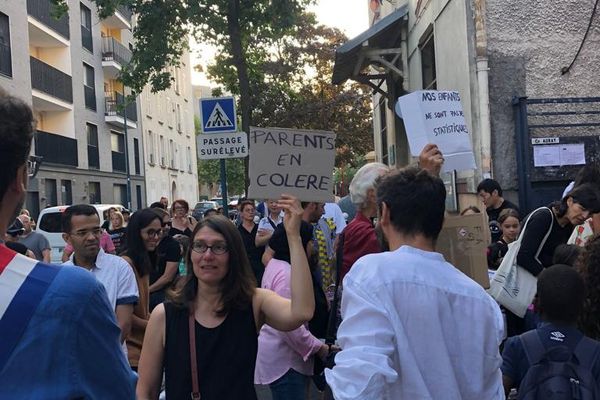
483	88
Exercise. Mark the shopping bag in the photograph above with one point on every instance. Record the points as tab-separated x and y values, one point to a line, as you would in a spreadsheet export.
512	286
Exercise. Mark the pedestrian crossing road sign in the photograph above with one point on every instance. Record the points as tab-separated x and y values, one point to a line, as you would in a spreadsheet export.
218	115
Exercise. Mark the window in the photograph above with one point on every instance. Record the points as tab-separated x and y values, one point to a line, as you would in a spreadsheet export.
5	54
172	155
163	161
86	28
92	143
117	142
51	197
67	192
120	194
189	159
151	160
89	87
94	193
383	130
427	47
136	155
138	195
178	114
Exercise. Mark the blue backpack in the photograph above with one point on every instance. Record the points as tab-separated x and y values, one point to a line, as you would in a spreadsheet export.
559	373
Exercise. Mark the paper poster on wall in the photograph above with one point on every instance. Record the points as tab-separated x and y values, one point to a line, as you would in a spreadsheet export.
559	155
291	161
432	116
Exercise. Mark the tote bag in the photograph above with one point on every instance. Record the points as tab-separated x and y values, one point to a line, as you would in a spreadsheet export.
513	286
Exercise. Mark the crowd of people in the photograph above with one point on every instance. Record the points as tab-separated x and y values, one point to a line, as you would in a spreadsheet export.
159	303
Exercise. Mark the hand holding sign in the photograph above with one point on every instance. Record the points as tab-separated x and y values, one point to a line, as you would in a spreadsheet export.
431	159
432	116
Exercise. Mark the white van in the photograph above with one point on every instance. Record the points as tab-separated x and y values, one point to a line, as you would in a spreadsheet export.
49	224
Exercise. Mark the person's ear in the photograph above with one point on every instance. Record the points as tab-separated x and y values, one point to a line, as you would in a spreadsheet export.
569	202
67	238
19	185
384	216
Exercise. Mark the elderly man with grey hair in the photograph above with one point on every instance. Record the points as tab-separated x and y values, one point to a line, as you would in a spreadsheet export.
360	237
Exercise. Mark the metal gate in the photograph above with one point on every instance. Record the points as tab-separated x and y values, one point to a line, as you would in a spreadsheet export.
554	139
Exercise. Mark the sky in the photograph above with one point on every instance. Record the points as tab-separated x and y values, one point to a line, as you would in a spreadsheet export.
350	16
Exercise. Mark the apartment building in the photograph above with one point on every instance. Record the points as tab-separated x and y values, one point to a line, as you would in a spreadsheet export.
167	120
502	56
67	71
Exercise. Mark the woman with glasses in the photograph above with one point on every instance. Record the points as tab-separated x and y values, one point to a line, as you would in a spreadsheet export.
143	234
220	307
182	223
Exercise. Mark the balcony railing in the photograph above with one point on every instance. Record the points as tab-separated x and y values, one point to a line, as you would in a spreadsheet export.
5	60
125	12
112	50
42	11
50	80
113	104
56	149
86	38
89	96
118	161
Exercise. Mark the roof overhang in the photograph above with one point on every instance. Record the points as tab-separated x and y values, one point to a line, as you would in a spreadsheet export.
380	47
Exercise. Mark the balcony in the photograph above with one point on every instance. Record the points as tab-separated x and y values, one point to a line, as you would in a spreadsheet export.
121	19
56	149
113	111
114	56
118	162
44	29
52	89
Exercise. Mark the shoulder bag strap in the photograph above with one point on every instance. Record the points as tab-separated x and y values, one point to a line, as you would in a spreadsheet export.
533	346
194	363
587	351
545	237
331	324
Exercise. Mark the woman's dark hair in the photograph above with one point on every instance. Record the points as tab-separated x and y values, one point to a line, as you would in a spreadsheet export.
279	242
238	285
245	203
506	214
587	195
566	254
590	173
588	267
136	250
182	203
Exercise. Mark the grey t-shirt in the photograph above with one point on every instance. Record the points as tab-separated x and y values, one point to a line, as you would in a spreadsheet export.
37	243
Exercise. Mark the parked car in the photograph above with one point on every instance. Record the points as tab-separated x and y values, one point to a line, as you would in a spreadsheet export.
50	225
202	206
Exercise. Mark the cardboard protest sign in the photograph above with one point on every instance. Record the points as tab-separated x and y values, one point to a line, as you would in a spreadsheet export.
291	161
432	116
463	242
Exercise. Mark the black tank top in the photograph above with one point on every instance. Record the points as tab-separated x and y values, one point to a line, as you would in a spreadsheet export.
226	356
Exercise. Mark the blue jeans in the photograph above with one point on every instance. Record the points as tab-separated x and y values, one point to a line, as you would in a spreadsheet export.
291	386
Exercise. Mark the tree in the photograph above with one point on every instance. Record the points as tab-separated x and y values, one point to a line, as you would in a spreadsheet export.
233	26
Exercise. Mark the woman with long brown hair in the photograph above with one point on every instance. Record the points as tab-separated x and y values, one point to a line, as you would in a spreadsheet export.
218	312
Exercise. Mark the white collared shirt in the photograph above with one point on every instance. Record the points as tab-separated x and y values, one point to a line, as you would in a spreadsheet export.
117	277
414	327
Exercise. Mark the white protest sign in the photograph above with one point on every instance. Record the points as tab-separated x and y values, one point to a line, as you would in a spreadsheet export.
291	161
222	145
437	117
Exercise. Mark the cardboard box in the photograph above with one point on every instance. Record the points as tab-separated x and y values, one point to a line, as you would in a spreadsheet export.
463	242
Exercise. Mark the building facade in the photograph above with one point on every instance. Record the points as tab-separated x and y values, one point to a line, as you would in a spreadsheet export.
492	52
167	121
67	71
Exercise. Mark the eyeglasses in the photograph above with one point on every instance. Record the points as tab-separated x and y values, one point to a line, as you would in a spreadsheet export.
154	233
217	248
33	165
82	234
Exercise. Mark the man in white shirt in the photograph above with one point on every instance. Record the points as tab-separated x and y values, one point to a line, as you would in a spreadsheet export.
267	225
81	228
415	327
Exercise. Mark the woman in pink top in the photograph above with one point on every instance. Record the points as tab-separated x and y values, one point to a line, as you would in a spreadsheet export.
284	360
